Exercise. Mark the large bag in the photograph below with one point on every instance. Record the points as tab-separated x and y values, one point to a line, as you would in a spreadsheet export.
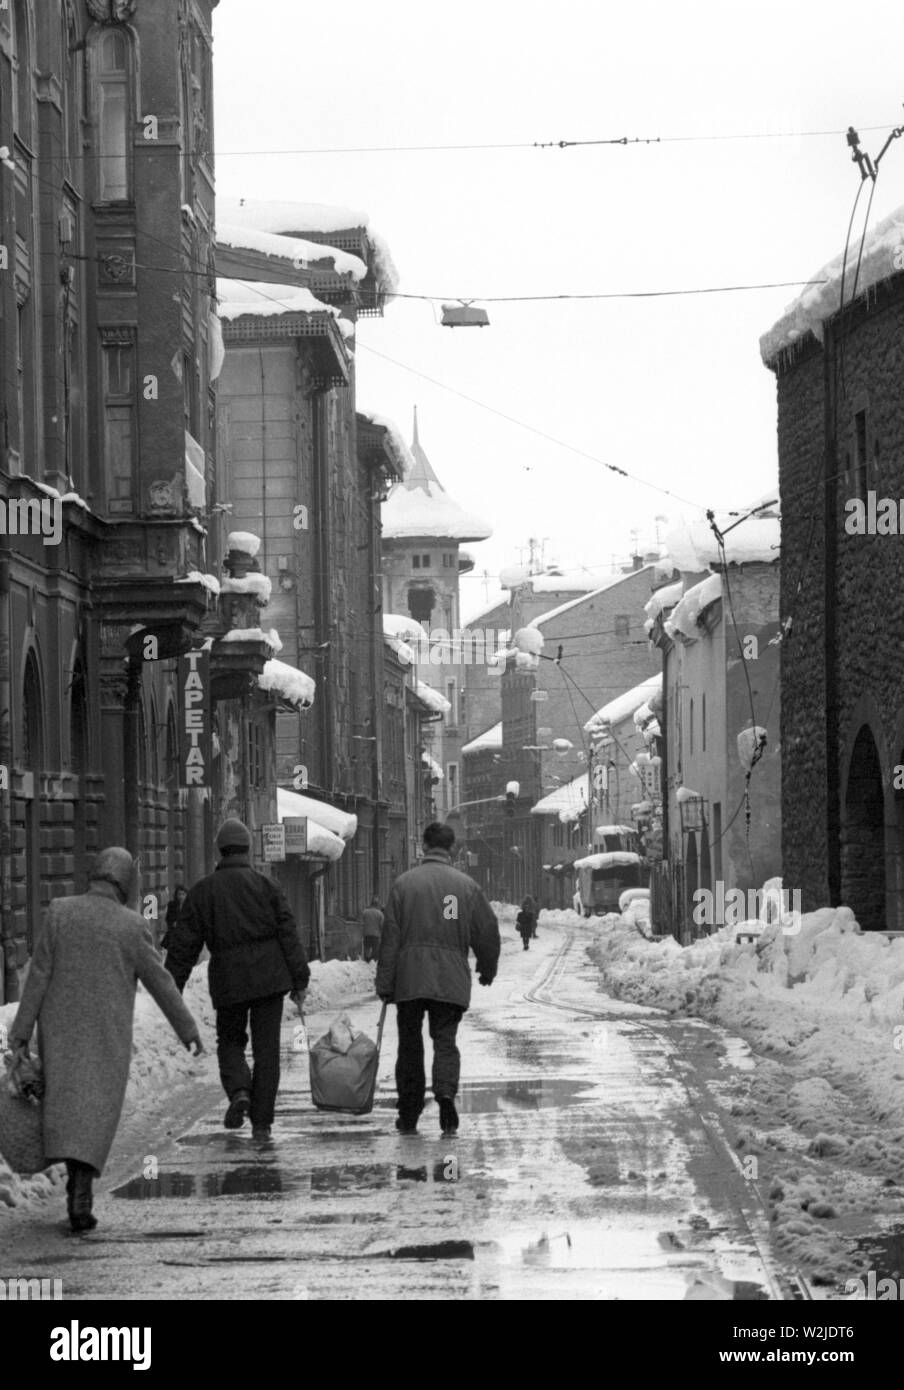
21	1116
344	1069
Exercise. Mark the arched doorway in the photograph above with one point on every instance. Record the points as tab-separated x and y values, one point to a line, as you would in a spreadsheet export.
690	883
863	836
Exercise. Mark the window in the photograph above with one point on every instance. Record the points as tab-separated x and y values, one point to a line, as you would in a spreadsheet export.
452	784
703	721
622	624
691	727
73	99
22	72
415	562
452	697
425	562
119	425
112	115
23	381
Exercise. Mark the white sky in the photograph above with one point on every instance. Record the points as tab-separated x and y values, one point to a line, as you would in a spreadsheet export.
670	389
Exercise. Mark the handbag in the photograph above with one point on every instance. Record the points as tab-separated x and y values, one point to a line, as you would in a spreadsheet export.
22	1115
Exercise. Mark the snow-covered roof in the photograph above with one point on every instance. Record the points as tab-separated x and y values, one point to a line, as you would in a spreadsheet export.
419	507
552	580
568	802
296	249
624	706
879	260
288	682
322	842
431	698
683	621
490	738
613	858
288	218
665	597
239	297
585	598
693	546
402	455
341	823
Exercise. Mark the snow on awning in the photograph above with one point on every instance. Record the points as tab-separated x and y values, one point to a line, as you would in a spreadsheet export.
490	738
686	615
341	823
292	248
402	456
568	802
614	858
431	698
322	843
624	706
288	683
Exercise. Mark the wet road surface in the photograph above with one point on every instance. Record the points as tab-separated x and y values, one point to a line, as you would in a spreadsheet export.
591	1164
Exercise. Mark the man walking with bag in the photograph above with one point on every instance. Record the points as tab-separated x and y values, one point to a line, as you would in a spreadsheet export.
256	958
434	916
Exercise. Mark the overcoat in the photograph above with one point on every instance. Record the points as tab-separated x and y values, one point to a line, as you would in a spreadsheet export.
88	959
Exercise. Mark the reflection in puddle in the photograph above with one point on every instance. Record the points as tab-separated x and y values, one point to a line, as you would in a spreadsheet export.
442	1250
532	1093
262	1180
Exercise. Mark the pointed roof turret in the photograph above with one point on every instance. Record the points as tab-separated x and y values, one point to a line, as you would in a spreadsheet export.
420	508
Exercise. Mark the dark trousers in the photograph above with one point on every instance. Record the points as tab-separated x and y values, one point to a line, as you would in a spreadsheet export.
232	1038
443	1020
371	947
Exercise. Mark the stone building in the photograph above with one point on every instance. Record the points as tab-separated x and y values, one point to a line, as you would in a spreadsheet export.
721	695
594	648
107	348
423	530
841	446
300	467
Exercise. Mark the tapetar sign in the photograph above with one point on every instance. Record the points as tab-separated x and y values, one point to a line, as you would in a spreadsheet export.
194	719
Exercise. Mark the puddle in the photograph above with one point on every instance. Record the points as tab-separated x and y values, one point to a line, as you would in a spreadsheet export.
533	1093
255	1180
264	1180
442	1250
736	1054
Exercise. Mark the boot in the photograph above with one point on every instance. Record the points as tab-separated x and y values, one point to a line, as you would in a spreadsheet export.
448	1115
239	1106
80	1196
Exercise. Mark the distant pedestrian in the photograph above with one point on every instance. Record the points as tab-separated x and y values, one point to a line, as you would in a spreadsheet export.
525	924
372	917
173	908
256	958
531	910
90	954
434	916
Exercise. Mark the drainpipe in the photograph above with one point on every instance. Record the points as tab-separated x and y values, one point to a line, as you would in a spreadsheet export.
9	976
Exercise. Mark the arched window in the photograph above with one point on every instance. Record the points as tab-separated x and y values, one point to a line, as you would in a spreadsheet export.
112	85
73	98
31	759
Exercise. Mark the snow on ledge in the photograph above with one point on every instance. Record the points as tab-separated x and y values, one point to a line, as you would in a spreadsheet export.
244	541
288	682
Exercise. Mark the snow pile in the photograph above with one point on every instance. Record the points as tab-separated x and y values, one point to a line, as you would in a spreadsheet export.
257	584
529	640
296	249
239	297
401	454
286	218
428	511
210	581
72	497
880	258
336	982
431	698
624	706
244	541
436	772
665	597
288	682
687	615
253	634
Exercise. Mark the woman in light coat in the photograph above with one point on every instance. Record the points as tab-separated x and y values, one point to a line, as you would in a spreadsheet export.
89	957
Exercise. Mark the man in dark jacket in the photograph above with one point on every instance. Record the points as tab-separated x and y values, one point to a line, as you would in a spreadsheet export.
434	916
256	957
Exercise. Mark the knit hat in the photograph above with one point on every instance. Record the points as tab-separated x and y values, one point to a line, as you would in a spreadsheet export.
114	865
233	834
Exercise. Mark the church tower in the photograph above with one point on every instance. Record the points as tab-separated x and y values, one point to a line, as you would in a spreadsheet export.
423	531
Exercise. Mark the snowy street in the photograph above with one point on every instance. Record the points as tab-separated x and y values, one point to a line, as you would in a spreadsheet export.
592	1163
